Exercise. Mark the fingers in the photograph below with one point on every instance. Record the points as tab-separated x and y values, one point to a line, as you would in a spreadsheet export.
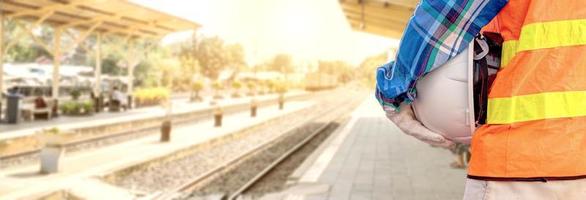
407	122
435	139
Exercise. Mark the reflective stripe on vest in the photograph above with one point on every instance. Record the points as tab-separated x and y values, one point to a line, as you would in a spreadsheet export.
545	35
537	107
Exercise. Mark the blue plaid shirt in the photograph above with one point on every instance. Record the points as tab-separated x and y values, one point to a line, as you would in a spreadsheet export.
438	31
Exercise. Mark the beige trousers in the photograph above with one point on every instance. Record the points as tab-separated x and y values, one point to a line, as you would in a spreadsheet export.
551	190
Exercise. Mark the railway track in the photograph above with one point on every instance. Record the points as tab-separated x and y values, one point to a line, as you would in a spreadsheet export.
110	139
233	178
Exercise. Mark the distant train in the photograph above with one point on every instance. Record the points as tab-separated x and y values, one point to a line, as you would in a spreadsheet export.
320	81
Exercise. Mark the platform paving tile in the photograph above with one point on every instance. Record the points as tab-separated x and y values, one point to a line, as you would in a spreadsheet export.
377	161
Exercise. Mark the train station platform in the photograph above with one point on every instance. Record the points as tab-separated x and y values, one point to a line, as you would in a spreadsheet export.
370	158
81	172
25	128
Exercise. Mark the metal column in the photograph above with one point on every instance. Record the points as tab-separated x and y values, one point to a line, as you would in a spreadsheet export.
130	78
56	62
1	53
130	60
98	69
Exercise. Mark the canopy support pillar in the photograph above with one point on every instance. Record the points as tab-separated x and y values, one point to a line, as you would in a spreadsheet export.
98	69
56	62
1	53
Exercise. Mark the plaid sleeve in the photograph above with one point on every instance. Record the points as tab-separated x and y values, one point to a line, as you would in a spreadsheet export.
438	31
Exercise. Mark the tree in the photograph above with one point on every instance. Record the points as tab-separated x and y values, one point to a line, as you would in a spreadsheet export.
23	50
282	63
196	87
236	85
211	56
235	56
368	68
342	70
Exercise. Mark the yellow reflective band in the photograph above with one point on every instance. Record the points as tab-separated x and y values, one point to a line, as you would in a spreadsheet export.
509	51
545	35
536	107
552	34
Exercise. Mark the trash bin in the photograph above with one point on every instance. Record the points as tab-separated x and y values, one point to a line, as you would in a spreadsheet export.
13	108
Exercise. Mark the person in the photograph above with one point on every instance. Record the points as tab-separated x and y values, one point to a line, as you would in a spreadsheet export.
119	97
532	145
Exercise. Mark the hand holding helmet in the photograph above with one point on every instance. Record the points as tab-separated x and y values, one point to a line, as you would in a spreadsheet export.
406	121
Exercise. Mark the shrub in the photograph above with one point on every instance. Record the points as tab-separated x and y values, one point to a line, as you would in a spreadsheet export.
217	85
271	85
197	86
281	87
251	85
237	85
151	96
75	93
77	108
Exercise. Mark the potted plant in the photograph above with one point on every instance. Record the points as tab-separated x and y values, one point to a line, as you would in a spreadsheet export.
261	88
218	87
53	150
236	85
271	86
251	88
196	87
281	89
75	93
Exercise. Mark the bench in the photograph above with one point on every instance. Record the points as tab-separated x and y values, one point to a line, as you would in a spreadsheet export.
30	112
116	106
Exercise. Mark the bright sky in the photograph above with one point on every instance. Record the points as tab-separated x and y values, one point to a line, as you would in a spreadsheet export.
307	29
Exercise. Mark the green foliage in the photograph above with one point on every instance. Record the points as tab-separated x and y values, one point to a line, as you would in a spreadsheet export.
75	93
251	85
210	55
281	87
217	85
151	96
77	107
23	50
368	67
169	69
236	85
282	63
271	85
197	85
236	56
343	71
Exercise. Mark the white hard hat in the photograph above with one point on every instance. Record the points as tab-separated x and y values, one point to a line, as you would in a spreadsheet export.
445	101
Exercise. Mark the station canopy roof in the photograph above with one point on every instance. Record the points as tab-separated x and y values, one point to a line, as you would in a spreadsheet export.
386	18
119	17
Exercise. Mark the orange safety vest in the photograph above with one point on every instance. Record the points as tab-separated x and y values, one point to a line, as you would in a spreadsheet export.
536	123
